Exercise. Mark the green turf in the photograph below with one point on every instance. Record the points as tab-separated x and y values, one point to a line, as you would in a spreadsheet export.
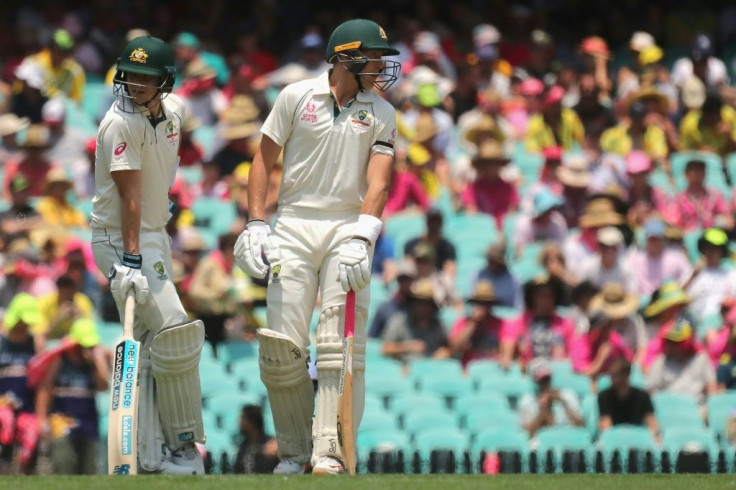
383	482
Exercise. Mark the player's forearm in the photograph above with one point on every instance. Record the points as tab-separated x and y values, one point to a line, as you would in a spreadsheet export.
379	179
263	161
129	186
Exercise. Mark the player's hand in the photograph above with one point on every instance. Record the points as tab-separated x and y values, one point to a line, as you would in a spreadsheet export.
250	248
354	265
128	275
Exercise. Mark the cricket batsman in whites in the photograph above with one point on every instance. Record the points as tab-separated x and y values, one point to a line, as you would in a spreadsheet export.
137	147
338	137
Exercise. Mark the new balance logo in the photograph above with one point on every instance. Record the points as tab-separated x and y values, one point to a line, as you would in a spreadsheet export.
123	469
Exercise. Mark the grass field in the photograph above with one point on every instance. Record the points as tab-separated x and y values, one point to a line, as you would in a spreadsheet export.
403	482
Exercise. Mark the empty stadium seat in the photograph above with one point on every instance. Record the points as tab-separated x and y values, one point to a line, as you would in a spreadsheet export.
378	420
448	386
444	439
427	366
622	439
227	408
474	421
423	419
689	440
498	439
406	403
384	450
491	402
577	383
556	441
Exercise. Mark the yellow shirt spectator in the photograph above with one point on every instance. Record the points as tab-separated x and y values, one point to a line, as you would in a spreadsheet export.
59	311
695	135
540	135
57	213
63	75
618	140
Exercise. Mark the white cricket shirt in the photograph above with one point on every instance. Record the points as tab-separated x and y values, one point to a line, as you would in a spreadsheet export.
128	141
326	154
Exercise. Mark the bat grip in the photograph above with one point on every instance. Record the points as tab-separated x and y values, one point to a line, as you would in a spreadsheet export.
350	313
129	314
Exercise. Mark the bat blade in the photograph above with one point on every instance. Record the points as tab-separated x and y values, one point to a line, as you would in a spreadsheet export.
122	429
345	427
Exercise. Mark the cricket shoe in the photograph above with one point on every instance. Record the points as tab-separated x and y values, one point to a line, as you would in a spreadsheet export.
188	458
167	468
328	466
289	466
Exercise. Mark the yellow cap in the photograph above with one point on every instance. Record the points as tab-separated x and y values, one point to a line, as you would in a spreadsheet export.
23	307
84	332
650	54
418	154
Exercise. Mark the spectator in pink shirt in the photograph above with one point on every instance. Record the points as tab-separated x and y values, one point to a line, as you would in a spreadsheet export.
643	198
666	305
698	206
539	331
477	335
593	352
576	177
406	189
489	193
658	263
722	342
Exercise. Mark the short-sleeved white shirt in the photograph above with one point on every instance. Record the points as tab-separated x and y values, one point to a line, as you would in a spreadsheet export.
326	156
128	141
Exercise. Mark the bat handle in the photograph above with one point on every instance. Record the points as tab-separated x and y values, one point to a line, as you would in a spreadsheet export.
129	318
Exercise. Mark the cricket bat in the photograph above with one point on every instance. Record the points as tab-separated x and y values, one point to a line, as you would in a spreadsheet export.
345	427
122	429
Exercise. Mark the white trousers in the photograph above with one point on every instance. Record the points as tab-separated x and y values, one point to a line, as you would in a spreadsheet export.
309	242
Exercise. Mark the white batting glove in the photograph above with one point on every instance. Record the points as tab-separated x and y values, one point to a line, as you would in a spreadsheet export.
354	265
128	275
251	246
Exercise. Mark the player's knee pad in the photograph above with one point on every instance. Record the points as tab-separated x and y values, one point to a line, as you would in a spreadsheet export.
150	434
284	371
175	353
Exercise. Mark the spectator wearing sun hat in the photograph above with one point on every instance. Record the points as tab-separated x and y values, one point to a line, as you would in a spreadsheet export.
554	125
489	193
683	367
33	163
54	207
10	126
18	424
635	133
543	223
621	307
62	74
595	54
477	335
609	262
598	214
576	178
711	282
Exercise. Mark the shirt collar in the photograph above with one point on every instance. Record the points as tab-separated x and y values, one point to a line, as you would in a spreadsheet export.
322	87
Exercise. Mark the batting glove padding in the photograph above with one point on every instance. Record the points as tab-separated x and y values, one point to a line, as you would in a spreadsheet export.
122	278
354	265
250	248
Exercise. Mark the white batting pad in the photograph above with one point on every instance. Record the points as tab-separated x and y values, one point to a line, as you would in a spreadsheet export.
291	395
175	355
150	434
329	365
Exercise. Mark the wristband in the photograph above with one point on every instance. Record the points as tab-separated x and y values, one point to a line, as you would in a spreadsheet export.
368	227
132	260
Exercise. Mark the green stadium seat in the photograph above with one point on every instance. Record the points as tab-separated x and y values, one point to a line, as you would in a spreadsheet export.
378	420
489	402
484	368
577	383
227	407
664	400
383	367
425	418
232	350
591	414
475	421
218	385
403	404
372	402
402	227
622	439
561	367
373	350
447	385
673	416
191	174
207	138
440	438
498	439
387	388
720	407
427	366
511	386
220	445
557	440
471	234
94	93
209	420
383	441
215	214
689	439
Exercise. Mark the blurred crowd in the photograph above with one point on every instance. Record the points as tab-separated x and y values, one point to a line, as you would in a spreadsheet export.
602	155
